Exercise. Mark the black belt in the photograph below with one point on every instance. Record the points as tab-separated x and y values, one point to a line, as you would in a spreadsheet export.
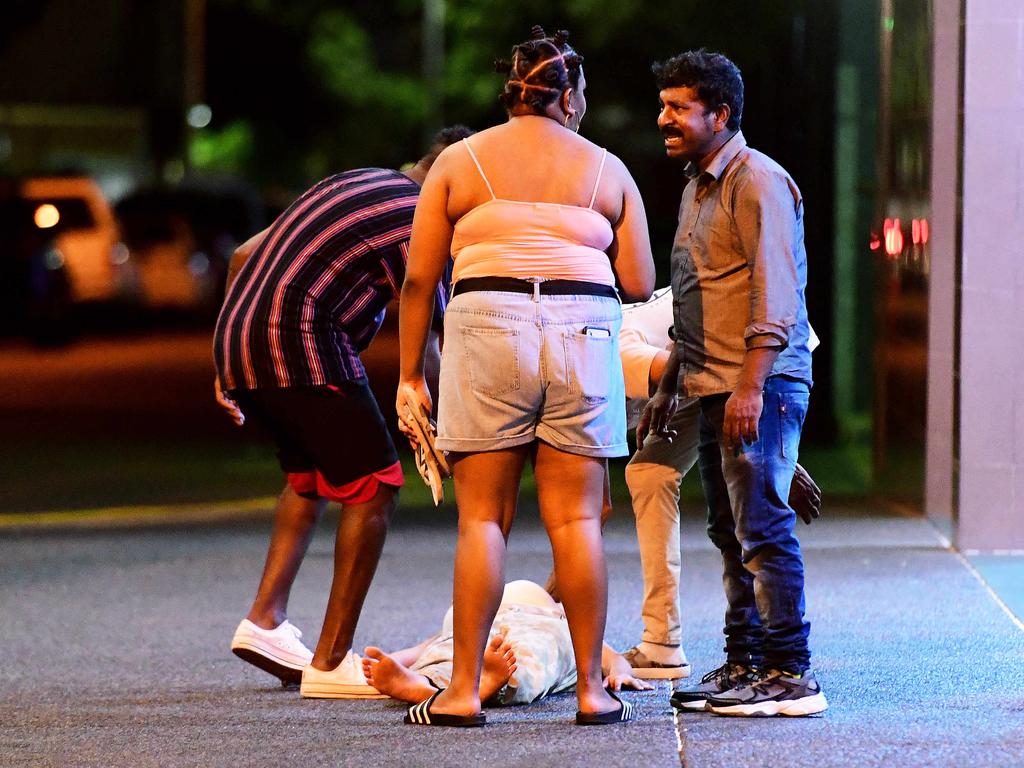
544	287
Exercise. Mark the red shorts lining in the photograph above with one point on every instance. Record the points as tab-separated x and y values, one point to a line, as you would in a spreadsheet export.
357	491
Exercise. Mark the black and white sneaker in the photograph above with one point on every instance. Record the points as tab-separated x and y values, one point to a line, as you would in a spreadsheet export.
774	692
725	678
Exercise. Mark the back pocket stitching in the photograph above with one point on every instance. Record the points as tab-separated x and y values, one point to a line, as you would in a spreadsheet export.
473	363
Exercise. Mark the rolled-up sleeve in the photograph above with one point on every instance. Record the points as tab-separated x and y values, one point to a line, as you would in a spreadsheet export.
637	356
769	222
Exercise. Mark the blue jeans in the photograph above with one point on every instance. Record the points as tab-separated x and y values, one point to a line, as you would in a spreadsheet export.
751	523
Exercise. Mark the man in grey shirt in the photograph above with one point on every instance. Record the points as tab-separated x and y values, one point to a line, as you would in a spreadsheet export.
738	275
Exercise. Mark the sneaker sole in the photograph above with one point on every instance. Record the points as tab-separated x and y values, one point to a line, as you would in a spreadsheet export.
661	673
808	705
279	668
689	706
334	691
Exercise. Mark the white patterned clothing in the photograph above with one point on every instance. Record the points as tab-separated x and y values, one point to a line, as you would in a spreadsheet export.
539	635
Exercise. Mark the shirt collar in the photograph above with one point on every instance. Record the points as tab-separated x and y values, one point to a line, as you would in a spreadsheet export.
725	155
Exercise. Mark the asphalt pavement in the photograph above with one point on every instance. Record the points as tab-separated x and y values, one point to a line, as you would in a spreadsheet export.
115	647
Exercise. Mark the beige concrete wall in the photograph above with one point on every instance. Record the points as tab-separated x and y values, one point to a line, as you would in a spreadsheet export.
940	451
989	502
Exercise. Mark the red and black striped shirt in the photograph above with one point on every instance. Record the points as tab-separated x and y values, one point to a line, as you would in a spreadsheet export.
313	294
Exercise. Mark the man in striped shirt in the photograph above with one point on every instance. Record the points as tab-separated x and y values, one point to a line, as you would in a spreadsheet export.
304	298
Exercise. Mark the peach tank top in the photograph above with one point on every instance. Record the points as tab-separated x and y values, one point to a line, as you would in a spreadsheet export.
512	238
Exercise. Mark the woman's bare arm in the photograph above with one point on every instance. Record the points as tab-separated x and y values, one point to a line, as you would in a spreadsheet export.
630	252
429	250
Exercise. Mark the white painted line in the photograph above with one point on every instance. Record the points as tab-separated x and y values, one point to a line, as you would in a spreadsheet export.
948	545
680	746
981	579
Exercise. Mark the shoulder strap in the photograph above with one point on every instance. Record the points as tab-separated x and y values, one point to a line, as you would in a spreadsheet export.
593	197
477	164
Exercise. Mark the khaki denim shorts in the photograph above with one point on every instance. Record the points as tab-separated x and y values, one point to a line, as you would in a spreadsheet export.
517	368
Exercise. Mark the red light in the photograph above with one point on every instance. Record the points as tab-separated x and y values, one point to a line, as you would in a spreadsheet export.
924	231
915	231
893	237
875	243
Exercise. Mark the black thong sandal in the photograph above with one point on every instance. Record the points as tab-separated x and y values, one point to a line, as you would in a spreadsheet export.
420	714
620	715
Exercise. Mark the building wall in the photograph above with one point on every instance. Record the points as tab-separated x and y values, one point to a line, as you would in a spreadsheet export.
941	447
978	240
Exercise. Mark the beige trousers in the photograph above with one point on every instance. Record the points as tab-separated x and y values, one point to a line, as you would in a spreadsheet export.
653	476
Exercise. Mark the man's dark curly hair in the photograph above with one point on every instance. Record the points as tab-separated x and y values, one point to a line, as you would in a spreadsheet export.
445	138
715	78
540	70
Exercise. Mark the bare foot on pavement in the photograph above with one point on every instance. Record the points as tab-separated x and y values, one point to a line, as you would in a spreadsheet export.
394	679
499	665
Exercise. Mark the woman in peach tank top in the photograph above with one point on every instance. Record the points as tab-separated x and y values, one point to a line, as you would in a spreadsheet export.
542	225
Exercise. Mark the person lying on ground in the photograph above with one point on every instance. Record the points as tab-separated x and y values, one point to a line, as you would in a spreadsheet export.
528	656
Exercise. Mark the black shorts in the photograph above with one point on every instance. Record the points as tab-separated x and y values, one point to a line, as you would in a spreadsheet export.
338	431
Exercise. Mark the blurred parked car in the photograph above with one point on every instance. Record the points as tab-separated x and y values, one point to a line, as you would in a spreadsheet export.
180	241
35	289
86	235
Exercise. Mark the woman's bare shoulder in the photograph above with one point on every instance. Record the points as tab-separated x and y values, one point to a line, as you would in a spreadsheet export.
614	166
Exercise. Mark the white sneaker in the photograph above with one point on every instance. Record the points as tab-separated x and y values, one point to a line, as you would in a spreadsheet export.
278	651
346	681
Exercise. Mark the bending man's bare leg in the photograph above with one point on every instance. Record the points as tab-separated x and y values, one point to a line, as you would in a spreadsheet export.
362	529
295	519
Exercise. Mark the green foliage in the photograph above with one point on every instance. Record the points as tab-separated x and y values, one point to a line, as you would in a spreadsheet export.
229	149
342	54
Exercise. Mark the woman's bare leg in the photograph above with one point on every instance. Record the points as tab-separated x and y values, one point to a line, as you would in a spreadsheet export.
551	585
570	489
486	490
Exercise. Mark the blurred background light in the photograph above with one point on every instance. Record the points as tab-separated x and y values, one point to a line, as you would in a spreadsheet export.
53	259
199	116
47	216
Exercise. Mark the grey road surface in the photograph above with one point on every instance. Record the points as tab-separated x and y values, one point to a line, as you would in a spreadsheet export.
115	654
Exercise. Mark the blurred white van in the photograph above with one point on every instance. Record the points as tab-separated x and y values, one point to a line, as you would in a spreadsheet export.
89	240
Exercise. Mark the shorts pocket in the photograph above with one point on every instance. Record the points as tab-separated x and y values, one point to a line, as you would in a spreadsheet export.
491	358
590	362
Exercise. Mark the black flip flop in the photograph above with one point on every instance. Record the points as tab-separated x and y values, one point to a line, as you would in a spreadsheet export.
620	715
420	714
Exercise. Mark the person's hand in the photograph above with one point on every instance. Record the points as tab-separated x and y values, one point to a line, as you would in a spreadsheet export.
742	413
230	406
419	387
656	415
805	495
620	675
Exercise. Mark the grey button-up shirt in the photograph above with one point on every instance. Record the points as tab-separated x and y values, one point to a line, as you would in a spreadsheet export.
739	270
